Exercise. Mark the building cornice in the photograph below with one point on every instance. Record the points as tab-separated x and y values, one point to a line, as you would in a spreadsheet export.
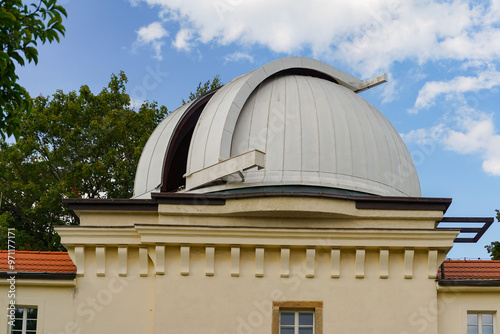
91	235
300	237
145	234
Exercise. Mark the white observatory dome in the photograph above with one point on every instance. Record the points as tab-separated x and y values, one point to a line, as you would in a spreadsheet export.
292	122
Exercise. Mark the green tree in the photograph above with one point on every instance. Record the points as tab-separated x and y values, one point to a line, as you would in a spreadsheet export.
494	248
22	26
202	89
75	145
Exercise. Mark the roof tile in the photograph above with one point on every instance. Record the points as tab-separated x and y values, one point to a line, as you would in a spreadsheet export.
471	269
38	262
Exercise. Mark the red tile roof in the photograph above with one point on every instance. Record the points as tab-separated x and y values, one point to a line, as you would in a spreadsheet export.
471	269
38	262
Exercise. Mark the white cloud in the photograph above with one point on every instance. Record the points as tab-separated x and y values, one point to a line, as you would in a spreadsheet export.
238	57
367	35
425	136
492	166
458	85
474	136
478	136
183	40
152	34
471	132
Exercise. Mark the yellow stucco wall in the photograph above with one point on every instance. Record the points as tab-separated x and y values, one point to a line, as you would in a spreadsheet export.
455	302
54	303
374	270
112	303
225	304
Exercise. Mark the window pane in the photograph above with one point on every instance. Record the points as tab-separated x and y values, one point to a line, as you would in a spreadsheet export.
305	318
472	330
286	330
488	329
472	319
19	313
31	324
487	318
32	313
306	330
18	324
287	318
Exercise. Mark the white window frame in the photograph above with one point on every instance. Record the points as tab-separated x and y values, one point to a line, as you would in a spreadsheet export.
480	324
296	325
316	307
25	321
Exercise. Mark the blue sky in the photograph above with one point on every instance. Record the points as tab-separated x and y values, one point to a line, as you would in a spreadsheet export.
442	59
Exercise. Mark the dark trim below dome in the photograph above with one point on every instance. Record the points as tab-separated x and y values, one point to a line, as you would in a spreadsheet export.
293	189
362	201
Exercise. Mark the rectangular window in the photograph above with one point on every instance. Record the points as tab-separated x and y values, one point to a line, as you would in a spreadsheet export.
25	321
297	317
480	323
296	322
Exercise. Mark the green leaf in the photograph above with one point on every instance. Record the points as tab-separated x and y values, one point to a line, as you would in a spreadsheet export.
59	27
31	54
17	57
23	25
61	10
7	16
53	20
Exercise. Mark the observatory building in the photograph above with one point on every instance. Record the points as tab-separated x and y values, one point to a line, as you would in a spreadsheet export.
282	202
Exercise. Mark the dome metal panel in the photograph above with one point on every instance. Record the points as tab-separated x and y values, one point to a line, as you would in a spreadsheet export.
210	128
149	172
